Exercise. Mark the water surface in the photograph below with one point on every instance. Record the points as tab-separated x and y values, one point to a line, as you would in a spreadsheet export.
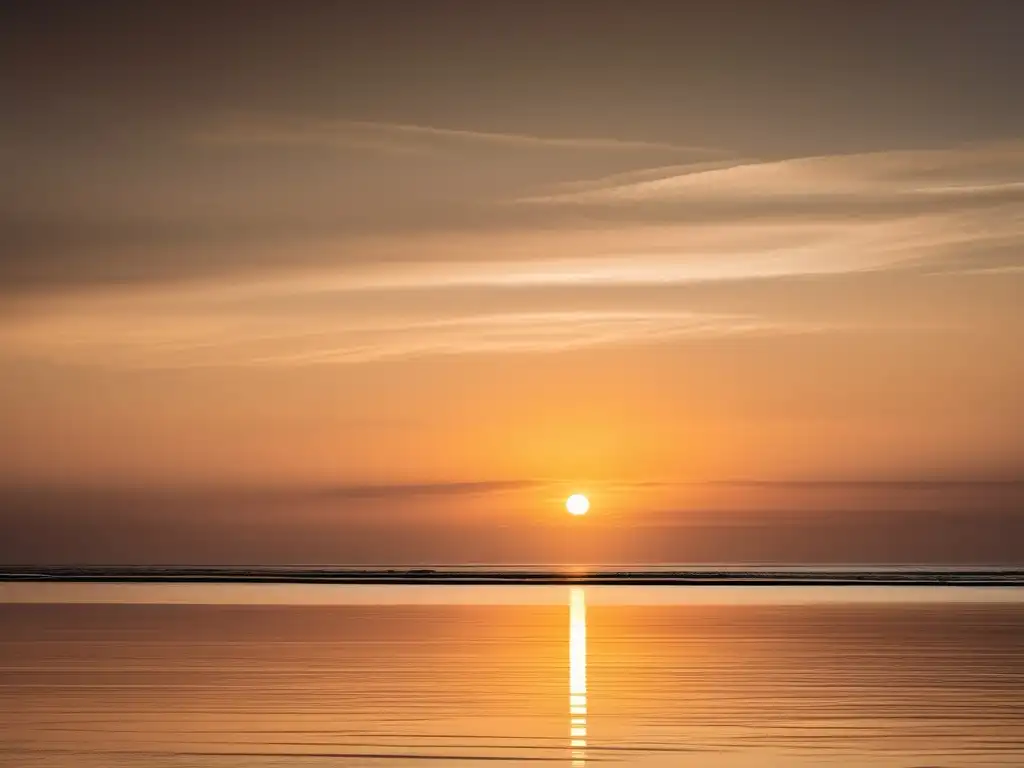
561	675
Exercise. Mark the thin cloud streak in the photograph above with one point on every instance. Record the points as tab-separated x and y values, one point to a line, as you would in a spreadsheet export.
891	176
415	490
642	175
409	138
536	333
120	340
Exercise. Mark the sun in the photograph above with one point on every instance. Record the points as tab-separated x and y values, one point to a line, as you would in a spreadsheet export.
577	504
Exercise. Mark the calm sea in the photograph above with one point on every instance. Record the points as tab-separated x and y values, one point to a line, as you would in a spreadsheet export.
261	676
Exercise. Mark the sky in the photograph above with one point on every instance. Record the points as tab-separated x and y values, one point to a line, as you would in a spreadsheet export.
383	281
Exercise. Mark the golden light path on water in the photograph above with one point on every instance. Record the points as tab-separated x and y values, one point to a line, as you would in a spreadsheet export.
578	677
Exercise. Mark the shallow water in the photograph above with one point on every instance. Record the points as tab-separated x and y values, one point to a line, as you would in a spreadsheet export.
738	676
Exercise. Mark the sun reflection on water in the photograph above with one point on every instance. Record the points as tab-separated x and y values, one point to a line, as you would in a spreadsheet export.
578	677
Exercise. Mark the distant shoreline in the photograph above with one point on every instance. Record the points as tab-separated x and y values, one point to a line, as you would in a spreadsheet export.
413	576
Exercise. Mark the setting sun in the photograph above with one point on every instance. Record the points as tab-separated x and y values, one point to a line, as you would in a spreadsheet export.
577	504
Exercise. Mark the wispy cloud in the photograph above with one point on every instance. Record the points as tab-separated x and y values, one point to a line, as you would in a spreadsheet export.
577	267
924	176
405	138
127	339
958	209
530	332
471	223
416	490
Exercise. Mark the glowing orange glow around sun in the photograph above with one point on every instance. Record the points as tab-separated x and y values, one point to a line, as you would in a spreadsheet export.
577	504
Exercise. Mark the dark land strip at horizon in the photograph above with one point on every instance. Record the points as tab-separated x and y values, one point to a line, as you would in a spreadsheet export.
981	577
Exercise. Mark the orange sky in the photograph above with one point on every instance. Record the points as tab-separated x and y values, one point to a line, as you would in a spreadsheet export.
587	253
